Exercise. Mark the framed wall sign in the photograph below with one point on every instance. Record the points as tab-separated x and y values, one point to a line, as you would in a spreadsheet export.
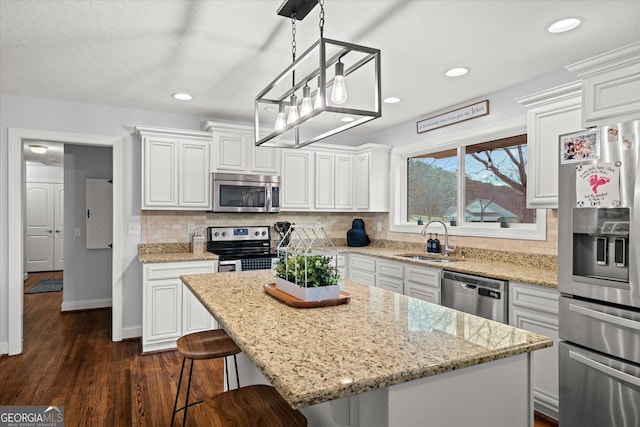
472	111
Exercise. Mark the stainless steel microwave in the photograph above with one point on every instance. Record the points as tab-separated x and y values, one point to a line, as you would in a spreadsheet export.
232	192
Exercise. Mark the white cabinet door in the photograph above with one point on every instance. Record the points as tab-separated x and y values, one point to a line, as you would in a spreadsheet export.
343	199
535	308
230	151
392	284
169	309
195	317
550	114
160	173
265	160
422	292
176	168
297	180
164	310
362	181
324	180
194	174
610	86
362	269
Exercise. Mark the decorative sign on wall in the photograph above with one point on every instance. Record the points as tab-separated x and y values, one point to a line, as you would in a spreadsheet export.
456	116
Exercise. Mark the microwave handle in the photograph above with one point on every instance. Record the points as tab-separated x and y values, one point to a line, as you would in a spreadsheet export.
267	200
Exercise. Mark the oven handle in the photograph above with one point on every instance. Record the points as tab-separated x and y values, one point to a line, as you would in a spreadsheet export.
607	370
605	317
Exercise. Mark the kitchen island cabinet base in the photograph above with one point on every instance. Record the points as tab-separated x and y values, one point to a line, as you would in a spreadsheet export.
492	394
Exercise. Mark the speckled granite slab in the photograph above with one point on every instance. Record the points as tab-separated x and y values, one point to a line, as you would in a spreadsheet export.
170	252
536	269
379	339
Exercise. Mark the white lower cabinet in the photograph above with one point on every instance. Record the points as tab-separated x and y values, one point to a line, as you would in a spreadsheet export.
535	308
423	283
362	269
390	276
169	309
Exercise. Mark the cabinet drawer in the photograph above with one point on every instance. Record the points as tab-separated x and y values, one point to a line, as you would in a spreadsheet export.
424	276
390	284
390	269
366	277
362	263
534	297
174	270
422	292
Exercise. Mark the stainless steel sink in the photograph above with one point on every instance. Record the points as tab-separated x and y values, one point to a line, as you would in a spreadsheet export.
428	258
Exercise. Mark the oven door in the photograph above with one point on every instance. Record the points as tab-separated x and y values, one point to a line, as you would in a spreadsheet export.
229	265
597	390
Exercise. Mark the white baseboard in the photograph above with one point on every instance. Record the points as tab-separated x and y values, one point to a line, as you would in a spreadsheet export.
4	347
135	332
86	304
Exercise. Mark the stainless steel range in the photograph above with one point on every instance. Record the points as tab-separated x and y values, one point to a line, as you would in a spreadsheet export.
241	248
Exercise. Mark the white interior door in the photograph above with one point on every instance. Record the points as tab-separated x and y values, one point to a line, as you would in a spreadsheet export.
39	224
58	227
99	200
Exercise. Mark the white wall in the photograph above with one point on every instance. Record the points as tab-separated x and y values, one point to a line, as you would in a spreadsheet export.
45	114
87	272
37	172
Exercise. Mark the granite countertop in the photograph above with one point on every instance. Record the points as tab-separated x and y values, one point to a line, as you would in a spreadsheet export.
379	339
171	252
533	268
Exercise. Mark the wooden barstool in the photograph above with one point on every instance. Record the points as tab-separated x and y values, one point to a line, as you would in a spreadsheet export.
201	346
249	406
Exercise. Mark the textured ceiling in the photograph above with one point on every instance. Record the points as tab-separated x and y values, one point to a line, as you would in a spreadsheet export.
135	54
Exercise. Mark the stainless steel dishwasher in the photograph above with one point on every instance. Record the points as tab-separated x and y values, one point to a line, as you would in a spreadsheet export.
477	295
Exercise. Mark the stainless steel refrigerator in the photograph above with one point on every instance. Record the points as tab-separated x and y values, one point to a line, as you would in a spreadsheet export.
598	276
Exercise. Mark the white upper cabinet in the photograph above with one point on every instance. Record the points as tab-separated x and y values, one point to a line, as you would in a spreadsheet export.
175	169
296	180
550	114
234	150
372	178
610	86
334	181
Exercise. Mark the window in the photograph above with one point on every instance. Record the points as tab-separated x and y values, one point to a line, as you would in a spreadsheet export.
467	165
493	184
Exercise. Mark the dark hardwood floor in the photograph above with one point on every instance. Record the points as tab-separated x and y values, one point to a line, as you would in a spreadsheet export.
69	359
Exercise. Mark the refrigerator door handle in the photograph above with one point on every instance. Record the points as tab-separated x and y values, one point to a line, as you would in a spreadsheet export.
608	318
611	372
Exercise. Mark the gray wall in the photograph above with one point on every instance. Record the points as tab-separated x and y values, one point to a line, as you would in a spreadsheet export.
87	272
46	114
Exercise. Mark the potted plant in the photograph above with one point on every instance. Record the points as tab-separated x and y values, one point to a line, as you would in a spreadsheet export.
306	266
309	277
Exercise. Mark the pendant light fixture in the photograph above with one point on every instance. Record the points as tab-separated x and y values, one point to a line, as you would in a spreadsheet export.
328	65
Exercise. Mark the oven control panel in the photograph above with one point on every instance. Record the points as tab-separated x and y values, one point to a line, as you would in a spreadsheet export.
230	234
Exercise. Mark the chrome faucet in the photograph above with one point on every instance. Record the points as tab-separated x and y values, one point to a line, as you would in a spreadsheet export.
447	250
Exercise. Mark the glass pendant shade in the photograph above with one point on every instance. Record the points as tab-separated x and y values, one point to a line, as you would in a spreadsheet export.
306	107
293	110
281	121
339	92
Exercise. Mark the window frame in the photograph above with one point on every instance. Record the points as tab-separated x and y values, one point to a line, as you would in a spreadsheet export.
458	140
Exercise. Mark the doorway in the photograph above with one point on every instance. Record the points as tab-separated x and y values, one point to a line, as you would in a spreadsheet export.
16	190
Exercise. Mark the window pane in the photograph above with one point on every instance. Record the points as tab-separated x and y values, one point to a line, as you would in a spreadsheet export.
496	182
432	186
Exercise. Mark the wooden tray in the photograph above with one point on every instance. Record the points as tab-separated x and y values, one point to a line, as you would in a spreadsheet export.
292	301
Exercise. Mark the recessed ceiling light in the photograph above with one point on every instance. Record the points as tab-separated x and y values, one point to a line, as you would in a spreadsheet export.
347	119
564	25
182	96
391	100
456	72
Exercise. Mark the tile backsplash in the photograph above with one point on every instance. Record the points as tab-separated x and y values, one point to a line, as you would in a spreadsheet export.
172	227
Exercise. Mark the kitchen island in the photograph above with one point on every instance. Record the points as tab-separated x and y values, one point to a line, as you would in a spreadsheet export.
384	359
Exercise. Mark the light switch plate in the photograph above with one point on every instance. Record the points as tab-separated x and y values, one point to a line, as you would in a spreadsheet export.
378	226
76	232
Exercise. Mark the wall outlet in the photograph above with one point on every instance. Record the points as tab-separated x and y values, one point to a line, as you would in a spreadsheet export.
76	232
318	224
191	227
134	228
379	226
